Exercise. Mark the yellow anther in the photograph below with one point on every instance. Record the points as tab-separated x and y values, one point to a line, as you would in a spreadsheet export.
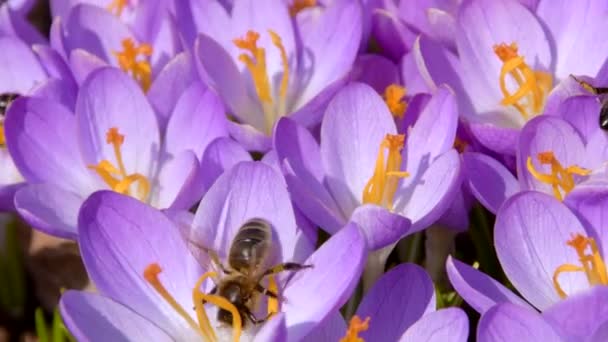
560	177
117	6
591	263
116	177
394	97
128	61
255	61
2	136
299	5
355	327
529	99
382	185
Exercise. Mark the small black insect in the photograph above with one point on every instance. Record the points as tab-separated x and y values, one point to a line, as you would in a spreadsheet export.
5	101
604	101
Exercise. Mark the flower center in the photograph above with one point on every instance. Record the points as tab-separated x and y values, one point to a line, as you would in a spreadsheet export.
255	62
460	145
117	177
381	187
394	97
560	177
591	263
534	86
300	5
128	61
355	326
117	6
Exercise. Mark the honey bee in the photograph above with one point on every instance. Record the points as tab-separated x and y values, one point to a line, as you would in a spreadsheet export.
248	257
603	120
5	101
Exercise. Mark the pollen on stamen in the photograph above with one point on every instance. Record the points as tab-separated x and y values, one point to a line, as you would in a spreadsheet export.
113	136
394	97
134	60
299	5
355	327
117	6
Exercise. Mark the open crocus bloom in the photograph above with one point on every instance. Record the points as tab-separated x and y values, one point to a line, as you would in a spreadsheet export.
109	223
549	250
262	72
553	157
112	141
89	36
399	307
508	65
365	172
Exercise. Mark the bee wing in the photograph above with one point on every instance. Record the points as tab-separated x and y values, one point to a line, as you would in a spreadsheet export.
203	256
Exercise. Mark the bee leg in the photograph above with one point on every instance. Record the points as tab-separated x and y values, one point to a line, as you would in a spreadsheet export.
254	319
590	88
261	289
287	266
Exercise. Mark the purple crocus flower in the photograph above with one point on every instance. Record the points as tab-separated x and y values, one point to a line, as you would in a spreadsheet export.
111	141
357	173
549	250
89	37
265	64
509	65
116	257
552	157
399	307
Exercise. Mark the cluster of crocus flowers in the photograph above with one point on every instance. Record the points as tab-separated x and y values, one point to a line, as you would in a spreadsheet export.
149	132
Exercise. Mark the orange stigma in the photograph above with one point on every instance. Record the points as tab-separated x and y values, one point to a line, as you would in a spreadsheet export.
591	263
116	177
300	5
355	327
560	177
128	61
394	97
117	6
255	61
529	99
382	185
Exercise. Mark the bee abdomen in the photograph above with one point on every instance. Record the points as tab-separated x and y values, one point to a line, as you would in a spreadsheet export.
250	245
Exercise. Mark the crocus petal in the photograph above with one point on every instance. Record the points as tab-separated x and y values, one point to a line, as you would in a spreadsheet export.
296	144
50	208
178	184
380	227
600	334
52	62
108	224
13	23
490	181
582	113
109	98
7	194
58	91
92	317
275	330
377	71
83	63
220	155
199	117
530	235
96	30
208	17
429	193
479	290
41	136
396	301
21	70
331	329
547	134
449	325
249	137
332	41
579	314
572	28
502	140
339	262
591	205
248	190
170	84
510	322
355	123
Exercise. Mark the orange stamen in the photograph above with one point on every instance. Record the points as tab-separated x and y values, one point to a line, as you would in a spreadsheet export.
116	177
300	5
382	185
592	263
355	327
560	177
128	61
394	97
117	6
529	99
